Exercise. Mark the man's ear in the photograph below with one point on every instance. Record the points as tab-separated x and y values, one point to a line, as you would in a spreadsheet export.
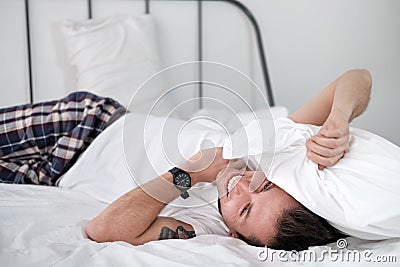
234	235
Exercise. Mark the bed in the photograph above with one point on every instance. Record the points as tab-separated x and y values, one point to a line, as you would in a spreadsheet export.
44	226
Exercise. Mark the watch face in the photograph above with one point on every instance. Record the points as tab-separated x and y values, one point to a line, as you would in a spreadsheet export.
182	180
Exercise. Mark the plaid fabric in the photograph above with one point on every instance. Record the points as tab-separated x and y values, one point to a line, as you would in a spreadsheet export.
39	142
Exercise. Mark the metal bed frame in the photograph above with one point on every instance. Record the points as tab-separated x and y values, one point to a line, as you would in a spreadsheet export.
235	3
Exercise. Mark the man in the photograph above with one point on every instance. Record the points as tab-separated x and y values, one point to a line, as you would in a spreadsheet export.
253	208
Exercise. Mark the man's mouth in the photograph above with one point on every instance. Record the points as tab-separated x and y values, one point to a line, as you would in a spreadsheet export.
233	181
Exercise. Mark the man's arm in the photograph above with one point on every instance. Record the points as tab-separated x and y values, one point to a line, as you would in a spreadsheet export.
349	93
334	108
133	218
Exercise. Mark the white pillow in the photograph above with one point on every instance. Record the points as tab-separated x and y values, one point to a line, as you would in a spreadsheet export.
234	121
358	195
113	56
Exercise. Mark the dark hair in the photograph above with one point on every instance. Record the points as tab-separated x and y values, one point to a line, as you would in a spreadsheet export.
251	240
298	229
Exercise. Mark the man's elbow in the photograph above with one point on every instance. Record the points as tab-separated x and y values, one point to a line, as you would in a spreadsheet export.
367	88
99	232
96	231
363	75
367	77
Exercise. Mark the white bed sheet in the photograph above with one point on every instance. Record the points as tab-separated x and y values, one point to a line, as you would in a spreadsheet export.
43	226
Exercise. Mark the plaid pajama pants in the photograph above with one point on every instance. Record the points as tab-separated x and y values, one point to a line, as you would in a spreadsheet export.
40	142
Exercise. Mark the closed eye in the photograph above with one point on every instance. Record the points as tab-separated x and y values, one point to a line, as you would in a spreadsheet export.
245	210
267	186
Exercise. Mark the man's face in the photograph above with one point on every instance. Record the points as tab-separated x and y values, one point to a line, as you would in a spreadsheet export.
252	213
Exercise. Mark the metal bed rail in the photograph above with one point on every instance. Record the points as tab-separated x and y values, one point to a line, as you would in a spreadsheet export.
237	4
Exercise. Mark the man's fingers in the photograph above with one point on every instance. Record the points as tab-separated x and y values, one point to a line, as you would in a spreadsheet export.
229	172
321	167
238	164
335	133
326	151
327	162
330	142
257	179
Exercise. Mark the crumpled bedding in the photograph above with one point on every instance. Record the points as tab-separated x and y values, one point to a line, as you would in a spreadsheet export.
43	226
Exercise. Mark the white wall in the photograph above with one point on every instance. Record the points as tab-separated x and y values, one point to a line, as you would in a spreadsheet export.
13	82
308	43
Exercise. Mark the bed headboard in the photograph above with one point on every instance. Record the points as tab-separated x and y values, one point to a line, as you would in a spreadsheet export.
147	8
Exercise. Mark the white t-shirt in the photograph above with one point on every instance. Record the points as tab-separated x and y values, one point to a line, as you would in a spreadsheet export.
203	215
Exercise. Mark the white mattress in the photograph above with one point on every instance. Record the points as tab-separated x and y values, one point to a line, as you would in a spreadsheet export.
43	226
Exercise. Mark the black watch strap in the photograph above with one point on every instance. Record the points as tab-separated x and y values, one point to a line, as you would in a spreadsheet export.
182	181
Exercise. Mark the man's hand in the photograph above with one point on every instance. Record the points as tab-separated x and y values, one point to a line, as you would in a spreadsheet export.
206	164
332	141
333	108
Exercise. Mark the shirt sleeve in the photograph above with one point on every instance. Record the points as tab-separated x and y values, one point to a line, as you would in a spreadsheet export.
204	220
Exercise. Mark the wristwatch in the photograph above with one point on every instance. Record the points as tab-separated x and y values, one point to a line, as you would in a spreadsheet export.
182	181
